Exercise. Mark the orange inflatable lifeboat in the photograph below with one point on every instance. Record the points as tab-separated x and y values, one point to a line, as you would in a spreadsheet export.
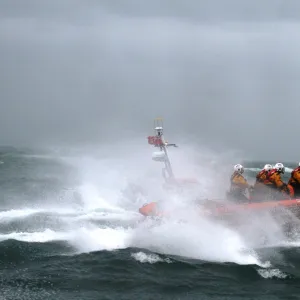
214	207
219	209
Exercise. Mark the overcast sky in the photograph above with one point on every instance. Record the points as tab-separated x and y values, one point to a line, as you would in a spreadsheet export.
82	71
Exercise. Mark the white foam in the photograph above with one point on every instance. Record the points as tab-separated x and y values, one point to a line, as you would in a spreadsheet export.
108	216
149	258
199	240
41	237
96	239
17	214
271	273
9	215
84	239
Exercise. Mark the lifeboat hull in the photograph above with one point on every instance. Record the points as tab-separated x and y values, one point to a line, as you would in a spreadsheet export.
219	209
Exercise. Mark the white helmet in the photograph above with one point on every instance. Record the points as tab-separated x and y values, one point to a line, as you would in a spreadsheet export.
239	168
268	167
280	168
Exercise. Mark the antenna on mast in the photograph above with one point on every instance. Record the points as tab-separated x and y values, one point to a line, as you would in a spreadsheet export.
158	141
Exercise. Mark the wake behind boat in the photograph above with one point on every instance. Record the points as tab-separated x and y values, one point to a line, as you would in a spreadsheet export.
215	208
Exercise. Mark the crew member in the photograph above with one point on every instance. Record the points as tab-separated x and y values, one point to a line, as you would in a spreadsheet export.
274	181
260	189
262	175
238	185
295	181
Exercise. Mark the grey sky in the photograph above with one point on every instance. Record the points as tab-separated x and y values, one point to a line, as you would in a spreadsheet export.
83	71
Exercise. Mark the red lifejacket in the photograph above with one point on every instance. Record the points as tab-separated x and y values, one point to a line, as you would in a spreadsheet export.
260	175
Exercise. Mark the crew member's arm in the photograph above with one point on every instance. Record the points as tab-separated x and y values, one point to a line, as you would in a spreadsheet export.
261	176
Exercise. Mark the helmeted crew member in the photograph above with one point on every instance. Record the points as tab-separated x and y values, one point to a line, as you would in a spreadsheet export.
238	184
262	175
275	182
295	181
260	189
